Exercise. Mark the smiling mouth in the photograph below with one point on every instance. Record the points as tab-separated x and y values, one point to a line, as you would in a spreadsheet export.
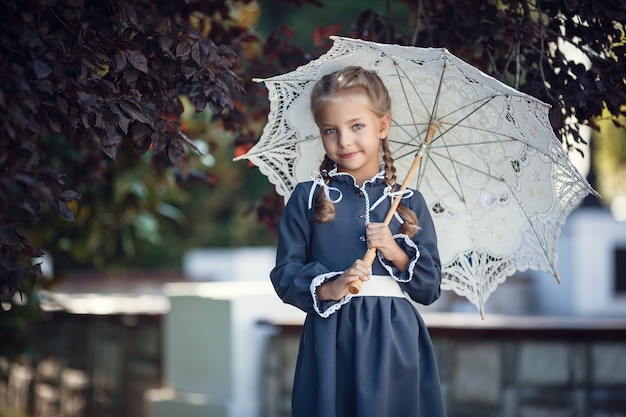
348	155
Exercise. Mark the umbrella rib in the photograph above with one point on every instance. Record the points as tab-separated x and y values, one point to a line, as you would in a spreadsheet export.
414	141
470	167
438	94
506	139
401	75
406	98
471	144
458	191
479	129
465	117
479	103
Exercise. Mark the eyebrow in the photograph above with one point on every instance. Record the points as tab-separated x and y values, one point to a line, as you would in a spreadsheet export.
353	120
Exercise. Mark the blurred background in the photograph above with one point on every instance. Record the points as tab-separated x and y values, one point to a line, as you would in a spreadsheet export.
128	236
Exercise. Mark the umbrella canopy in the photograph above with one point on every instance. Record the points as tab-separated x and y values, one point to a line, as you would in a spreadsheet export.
496	178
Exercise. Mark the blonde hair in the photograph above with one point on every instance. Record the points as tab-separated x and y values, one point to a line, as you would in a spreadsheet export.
379	102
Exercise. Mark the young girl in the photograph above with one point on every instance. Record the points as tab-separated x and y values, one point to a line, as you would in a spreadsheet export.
368	354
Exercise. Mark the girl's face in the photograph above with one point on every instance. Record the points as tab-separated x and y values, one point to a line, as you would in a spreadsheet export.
351	134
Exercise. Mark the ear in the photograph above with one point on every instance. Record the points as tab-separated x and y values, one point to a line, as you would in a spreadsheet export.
385	126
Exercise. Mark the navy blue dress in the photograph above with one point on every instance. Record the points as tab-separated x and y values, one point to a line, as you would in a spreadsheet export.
361	356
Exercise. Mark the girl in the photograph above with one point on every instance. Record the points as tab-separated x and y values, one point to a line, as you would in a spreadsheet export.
369	354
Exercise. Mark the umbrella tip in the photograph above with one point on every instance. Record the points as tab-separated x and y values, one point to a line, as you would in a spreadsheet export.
558	279
482	313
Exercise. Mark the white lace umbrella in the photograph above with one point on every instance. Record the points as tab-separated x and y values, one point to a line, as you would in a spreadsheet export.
496	179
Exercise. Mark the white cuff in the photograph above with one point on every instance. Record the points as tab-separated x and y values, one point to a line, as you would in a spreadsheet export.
316	282
410	267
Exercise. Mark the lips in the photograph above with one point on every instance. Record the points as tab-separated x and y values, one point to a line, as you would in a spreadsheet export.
348	155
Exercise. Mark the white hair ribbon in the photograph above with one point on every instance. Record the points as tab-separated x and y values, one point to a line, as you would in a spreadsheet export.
318	180
406	193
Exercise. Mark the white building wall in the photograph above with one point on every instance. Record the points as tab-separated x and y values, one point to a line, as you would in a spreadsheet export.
586	267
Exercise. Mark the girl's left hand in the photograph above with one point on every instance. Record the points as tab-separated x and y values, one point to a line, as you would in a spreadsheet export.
379	236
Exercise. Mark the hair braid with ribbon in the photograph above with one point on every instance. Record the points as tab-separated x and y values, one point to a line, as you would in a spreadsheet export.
324	208
411	224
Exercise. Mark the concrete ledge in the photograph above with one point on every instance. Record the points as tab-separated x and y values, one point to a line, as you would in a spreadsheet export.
166	402
461	325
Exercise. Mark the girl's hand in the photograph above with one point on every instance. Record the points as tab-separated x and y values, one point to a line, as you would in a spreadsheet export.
338	288
379	236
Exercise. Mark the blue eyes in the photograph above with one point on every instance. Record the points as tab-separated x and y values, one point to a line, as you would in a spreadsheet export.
332	130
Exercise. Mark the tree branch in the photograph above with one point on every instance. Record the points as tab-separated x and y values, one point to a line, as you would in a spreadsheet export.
517	64
542	53
417	23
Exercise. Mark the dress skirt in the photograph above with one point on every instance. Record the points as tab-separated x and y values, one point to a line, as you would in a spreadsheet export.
372	358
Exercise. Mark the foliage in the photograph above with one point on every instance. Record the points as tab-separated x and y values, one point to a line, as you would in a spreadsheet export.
142	219
83	78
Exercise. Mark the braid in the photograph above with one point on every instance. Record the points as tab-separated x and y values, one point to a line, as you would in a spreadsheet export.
324	208
390	169
411	223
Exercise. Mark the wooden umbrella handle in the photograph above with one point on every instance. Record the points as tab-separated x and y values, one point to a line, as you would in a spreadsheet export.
370	255
355	286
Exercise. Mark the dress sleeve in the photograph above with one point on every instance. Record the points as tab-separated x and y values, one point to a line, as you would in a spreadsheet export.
295	277
422	279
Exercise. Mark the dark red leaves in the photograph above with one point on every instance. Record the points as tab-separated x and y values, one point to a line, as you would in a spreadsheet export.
137	60
97	75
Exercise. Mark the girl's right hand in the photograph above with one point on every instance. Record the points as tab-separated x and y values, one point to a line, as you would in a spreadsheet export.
338	288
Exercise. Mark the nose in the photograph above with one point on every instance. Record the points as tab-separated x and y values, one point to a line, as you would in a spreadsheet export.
344	139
